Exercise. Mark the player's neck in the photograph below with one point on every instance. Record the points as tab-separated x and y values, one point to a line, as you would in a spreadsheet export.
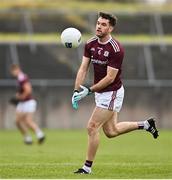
105	39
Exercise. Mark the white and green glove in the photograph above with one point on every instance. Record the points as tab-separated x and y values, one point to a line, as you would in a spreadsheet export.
75	103
77	96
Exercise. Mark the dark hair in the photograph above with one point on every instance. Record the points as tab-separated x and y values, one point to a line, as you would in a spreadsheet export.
112	19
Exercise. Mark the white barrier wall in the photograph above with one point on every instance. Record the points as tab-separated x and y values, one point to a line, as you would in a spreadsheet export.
55	110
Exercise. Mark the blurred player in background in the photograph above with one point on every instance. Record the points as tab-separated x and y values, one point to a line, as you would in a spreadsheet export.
106	54
25	106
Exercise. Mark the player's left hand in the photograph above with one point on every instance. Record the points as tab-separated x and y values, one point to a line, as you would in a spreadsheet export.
14	101
84	92
75	103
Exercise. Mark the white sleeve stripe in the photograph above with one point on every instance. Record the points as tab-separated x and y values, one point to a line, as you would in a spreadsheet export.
116	49
92	39
115	46
115	43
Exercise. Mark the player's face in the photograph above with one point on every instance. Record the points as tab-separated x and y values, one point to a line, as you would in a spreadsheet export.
15	72
103	28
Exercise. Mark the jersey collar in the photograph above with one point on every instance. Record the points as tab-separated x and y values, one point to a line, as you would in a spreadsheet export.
105	41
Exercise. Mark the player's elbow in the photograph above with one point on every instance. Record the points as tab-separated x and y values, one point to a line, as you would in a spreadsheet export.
28	91
110	79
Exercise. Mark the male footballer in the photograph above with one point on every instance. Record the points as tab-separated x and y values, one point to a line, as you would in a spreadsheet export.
25	106
106	55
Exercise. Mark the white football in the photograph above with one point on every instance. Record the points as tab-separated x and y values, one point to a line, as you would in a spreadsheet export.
71	37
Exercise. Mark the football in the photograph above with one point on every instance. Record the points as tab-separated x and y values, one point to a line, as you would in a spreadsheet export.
71	37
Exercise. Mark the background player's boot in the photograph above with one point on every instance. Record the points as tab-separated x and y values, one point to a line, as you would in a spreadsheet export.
28	140
40	136
81	171
41	139
152	128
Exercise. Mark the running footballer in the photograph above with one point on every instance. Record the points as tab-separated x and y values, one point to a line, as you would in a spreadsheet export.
106	55
25	106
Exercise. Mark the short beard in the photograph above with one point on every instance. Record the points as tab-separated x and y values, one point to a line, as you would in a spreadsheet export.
101	36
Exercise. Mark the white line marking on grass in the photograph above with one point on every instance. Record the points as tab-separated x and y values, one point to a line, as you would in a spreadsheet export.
78	164
87	179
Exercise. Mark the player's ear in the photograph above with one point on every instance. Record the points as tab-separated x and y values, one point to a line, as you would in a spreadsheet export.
111	29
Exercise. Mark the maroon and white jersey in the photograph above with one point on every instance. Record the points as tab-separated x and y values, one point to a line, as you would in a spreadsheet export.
22	79
111	54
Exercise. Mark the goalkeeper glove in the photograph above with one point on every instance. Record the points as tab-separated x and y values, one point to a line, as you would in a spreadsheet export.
75	103
80	95
14	101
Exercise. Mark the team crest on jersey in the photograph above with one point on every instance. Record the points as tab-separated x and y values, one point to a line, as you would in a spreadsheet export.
106	53
92	49
99	50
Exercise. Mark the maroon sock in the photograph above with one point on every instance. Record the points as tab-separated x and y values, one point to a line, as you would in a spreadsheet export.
141	125
88	163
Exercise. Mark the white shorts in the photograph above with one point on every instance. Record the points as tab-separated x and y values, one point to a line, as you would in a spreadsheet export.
27	106
111	100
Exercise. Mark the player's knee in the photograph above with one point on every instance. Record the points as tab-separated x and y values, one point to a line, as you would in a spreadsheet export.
18	122
91	128
111	134
18	119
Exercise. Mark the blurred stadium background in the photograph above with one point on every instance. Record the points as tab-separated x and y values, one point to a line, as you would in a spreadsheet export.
30	35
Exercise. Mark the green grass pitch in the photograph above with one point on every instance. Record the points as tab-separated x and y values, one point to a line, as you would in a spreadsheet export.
134	155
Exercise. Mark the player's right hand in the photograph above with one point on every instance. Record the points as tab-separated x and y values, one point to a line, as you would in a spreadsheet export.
75	103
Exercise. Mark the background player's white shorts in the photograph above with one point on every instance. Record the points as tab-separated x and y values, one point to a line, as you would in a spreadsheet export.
111	100
27	106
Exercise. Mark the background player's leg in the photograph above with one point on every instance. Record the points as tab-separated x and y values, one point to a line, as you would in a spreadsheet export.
31	124
111	128
20	117
20	123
